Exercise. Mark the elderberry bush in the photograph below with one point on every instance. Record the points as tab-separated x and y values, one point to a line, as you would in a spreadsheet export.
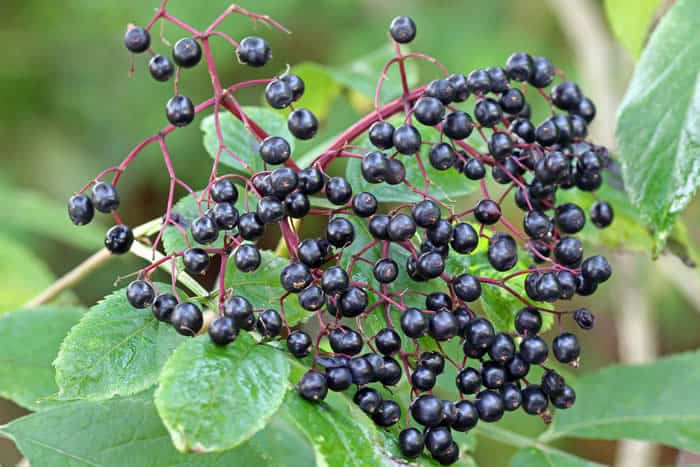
344	279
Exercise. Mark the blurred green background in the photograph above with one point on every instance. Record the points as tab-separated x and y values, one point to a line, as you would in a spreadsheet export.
70	110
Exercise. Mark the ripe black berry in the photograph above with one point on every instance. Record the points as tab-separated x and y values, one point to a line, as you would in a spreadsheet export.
566	347
222	330
338	191
427	410
524	129
528	321
295	277
584	318
299	344
519	66
196	260
547	133
411	442
275	150
392	372
247	258
340	232
338	378
570	218
487	112
542	72
499	79
487	212
429	111
278	94
140	294
493	375
295	83
517	368
297	205
402	29
105	197
204	230
269	324
457	125
423	379
537	225
566	95
270	210
179	110
479	82
601	214
437	439
502	348
596	269
479	333
443	326
137	40
313	386
468	381
533	350
464	238
388	414
563	399
460	86
80	209
467	287
534	400
312	298
161	68
187	319
302	124
250	226
395	172
119	239
163	307
254	51
438	301
414	323
187	52
490	405
474	169
335	280
353	302
401	228
381	134
407	139
512	101
502	252
500	146
311	252
512	397
442	156
548	287
310	180
467	416
361	370
388	341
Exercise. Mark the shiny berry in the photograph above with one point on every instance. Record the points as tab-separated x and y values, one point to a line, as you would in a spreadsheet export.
161	68
254	51
180	111
402	29
80	209
118	239
187	52
302	124
196	260
381	134
187	319
247	258
163	307
299	344
140	294
222	330
407	139
313	386
137	40
278	94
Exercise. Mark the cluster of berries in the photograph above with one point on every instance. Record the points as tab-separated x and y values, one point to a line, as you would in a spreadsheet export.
532	161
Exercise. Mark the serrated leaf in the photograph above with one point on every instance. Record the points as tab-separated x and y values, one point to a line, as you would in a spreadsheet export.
127	431
536	457
446	185
215	398
652	402
263	289
240	140
24	274
341	432
115	349
29	342
658	126
631	29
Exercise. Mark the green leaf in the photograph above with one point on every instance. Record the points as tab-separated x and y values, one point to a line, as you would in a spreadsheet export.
263	289
654	402
446	185
36	214
658	126
341	433
321	85
214	398
127	431
114	350
29	341
362	74
186	211
24	275
240	140
534	457
631	29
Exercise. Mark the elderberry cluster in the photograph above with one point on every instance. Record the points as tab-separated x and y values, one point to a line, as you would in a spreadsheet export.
532	161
